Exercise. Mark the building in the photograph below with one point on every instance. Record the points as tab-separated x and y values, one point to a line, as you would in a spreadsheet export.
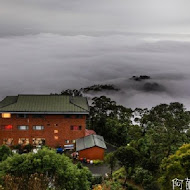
91	147
42	119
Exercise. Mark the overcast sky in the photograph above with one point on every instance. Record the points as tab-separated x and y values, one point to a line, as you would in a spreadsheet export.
50	45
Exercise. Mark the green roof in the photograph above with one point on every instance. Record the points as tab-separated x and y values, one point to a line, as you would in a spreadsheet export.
44	103
89	142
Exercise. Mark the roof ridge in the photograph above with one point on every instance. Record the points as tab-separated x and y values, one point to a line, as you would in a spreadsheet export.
76	104
9	103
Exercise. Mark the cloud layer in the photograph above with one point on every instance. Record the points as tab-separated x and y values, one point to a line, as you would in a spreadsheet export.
49	63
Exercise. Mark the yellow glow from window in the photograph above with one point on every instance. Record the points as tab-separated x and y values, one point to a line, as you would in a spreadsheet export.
55	131
6	115
56	137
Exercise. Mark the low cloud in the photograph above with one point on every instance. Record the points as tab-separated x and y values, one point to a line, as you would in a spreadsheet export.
49	63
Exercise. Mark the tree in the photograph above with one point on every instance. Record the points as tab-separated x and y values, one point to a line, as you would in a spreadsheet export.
111	160
128	157
165	126
5	152
59	170
73	92
176	166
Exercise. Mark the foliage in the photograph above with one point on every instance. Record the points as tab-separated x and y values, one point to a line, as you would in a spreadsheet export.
97	162
128	157
176	166
100	87
164	127
57	168
73	92
5	152
110	120
33	182
111	160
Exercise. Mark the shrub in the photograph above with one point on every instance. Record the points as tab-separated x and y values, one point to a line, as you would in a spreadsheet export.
5	152
59	170
98	162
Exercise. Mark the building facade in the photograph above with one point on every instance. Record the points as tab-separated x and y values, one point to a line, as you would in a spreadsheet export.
91	147
53	120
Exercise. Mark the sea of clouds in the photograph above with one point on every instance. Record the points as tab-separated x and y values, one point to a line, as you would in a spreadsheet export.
48	63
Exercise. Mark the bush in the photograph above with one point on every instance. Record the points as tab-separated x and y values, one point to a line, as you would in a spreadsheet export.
5	152
98	162
142	176
59	170
96	179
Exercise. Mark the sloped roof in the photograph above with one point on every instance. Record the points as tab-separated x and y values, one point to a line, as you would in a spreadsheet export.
89	142
44	103
89	132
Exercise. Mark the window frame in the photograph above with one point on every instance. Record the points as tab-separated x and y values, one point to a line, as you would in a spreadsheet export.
27	127
19	116
73	127
35	127
3	127
38	116
79	116
2	115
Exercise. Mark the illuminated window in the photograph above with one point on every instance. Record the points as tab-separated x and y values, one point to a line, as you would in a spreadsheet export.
76	128
7	127
67	141
8	141
23	141
55	131
38	127
6	115
73	141
23	127
38	141
56	137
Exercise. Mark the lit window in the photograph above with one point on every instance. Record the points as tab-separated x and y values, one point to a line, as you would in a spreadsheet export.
56	137
38	141
55	131
67	141
23	141
6	115
7	127
8	141
22	116
38	127
76	128
73	141
23	127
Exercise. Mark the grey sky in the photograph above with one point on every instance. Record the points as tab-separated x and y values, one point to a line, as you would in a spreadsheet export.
50	45
23	16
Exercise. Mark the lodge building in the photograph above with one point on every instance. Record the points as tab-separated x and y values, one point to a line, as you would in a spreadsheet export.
42	119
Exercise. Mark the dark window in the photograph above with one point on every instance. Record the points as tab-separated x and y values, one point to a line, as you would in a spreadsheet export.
38	116
23	127
22	116
78	116
67	116
76	128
